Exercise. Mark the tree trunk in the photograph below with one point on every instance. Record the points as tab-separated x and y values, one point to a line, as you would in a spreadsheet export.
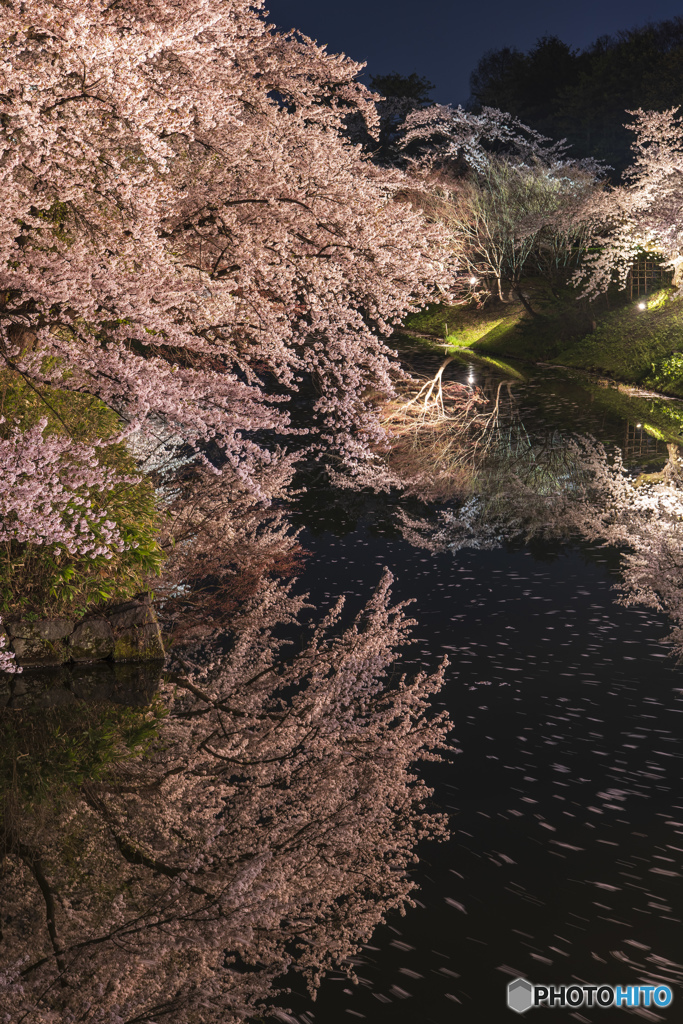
522	298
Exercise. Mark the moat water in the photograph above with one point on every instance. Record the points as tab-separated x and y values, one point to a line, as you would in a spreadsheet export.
566	800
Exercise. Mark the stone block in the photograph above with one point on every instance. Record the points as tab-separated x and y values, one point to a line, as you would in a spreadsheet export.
126	632
92	640
137	636
43	629
138	612
35	651
139	643
40	643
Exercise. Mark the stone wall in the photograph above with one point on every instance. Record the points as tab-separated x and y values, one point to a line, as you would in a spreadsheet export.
123	633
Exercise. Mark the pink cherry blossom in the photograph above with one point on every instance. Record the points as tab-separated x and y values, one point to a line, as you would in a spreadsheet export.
185	229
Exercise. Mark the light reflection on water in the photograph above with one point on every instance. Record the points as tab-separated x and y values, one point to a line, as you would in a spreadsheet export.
566	854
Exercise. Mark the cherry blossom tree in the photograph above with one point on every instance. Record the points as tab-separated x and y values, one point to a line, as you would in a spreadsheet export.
449	133
514	218
270	828
222	539
44	493
645	212
511	200
183	217
7	659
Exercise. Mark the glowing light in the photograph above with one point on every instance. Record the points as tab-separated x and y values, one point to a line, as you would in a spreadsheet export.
473	280
641	305
639	426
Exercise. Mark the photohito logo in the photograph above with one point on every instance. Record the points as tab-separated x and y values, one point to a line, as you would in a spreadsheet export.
522	995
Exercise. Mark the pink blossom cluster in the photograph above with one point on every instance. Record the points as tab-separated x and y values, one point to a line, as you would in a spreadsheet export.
643	214
463	134
46	489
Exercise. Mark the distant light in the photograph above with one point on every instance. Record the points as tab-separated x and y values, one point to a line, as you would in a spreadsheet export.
641	305
470	379
639	426
473	280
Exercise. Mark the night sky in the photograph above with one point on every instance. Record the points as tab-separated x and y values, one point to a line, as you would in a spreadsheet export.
443	40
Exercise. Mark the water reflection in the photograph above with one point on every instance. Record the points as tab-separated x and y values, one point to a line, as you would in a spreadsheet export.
127	683
566	709
559	487
172	862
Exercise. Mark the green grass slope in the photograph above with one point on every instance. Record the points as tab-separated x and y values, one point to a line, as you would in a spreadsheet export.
635	344
460	326
612	337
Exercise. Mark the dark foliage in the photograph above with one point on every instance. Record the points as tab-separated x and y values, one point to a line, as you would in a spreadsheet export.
584	96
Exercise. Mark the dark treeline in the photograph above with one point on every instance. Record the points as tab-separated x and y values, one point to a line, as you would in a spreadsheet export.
584	95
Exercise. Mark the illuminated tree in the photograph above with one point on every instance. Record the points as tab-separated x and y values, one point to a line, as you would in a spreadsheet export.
644	213
512	203
181	214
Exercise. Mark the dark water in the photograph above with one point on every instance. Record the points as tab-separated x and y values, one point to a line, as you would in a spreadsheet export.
566	800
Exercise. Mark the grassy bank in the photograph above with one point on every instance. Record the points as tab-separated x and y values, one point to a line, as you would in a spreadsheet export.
639	345
612	337
461	326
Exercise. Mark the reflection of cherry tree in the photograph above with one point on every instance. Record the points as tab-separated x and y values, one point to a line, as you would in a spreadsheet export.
645	517
271	828
603	502
436	428
572	488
